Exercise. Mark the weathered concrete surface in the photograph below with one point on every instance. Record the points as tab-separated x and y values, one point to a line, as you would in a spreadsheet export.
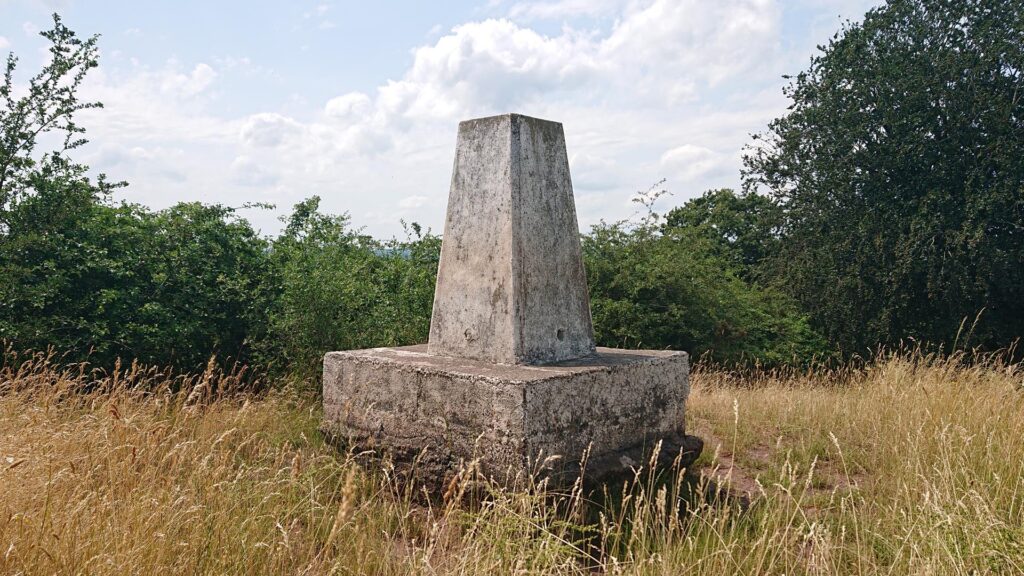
510	286
617	403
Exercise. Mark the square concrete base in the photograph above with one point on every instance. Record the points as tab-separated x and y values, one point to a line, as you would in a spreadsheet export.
442	411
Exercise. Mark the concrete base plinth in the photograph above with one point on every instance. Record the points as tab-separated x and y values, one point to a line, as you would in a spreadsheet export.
443	411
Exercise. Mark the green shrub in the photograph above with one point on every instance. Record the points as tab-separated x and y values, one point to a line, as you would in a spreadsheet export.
339	290
676	289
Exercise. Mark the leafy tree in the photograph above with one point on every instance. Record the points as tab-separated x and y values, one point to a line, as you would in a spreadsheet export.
900	167
661	286
341	290
103	282
50	105
43	196
60	254
99	280
746	225
208	289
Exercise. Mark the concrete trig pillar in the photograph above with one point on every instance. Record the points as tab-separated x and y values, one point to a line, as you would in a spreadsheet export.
510	286
510	375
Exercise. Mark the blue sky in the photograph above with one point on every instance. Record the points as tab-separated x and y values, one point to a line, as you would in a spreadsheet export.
358	102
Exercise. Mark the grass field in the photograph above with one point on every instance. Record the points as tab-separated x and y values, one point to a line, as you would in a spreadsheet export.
914	465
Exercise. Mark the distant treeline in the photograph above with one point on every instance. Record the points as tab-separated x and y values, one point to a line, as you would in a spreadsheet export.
886	206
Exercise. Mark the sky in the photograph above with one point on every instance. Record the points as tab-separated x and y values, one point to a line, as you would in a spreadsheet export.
238	102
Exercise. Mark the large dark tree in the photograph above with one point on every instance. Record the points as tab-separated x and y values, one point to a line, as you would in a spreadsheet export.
900	166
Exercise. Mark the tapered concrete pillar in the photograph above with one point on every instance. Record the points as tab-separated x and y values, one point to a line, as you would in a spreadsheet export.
510	376
510	286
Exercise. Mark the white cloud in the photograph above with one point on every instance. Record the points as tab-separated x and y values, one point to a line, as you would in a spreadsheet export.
485	67
4	43
350	107
144	105
662	88
564	8
192	83
689	162
708	41
29	28
268	129
661	52
319	15
594	172
244	66
158	163
413	202
246	171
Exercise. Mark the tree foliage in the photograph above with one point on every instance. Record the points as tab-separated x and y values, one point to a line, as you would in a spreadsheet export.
338	290
745	227
680	285
49	105
102	281
900	167
895	210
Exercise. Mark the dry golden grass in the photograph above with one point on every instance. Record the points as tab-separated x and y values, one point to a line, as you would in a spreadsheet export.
912	466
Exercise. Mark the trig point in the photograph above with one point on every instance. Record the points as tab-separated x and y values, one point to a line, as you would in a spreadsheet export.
510	376
511	287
